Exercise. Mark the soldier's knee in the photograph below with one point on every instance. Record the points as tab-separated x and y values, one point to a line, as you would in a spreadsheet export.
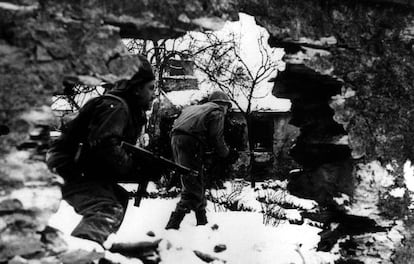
113	214
119	213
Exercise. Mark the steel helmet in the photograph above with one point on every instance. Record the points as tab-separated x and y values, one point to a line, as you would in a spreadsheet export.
220	97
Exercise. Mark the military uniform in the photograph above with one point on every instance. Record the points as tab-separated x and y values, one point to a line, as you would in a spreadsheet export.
197	128
91	180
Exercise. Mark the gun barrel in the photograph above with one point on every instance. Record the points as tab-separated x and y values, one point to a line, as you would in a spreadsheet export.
159	160
147	157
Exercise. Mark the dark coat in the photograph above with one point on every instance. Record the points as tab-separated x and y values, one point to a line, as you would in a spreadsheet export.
101	125
206	123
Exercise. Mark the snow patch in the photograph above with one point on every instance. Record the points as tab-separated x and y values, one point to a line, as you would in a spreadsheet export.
246	238
373	180
409	175
397	192
185	97
342	200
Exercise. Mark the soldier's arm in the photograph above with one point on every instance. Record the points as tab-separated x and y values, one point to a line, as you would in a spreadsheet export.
215	131
106	131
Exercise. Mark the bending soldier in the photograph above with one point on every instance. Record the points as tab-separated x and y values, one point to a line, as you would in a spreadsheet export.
90	159
198	127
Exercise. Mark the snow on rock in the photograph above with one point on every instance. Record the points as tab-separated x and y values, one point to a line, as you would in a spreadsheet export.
344	199
27	200
379	247
397	192
409	175
373	180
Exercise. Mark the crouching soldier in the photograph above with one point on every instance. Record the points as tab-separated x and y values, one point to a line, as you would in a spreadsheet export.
198	128
89	157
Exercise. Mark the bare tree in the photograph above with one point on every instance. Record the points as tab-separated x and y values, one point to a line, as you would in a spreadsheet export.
225	68
222	65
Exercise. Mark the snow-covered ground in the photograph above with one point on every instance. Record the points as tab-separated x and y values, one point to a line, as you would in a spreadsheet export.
246	238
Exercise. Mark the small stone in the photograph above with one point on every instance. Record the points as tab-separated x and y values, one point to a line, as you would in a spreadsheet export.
220	248
49	260
80	257
10	205
18	260
15	244
53	240
150	234
206	257
42	54
214	227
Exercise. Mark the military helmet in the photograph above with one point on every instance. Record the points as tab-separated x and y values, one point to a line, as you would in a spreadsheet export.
219	97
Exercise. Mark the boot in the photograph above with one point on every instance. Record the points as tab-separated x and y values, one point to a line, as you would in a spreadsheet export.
201	217
175	220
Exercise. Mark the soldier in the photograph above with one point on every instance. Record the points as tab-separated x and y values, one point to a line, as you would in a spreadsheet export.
197	128
90	159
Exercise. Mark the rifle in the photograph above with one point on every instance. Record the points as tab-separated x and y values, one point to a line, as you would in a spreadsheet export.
147	157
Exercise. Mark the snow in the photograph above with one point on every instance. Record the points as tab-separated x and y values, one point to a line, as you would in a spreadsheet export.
342	200
185	97
373	180
268	103
397	192
247	239
409	175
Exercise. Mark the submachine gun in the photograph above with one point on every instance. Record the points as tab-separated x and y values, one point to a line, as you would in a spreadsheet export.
151	159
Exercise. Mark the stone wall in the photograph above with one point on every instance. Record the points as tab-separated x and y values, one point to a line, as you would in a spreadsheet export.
368	46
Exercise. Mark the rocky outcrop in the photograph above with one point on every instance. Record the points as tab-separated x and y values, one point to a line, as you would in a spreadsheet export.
368	46
327	169
30	194
365	47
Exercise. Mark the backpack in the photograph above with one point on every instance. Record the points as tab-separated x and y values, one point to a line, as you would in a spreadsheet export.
65	152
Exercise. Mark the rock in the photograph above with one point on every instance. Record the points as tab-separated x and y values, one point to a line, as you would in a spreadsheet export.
4	130
146	250
53	240
19	244
80	257
18	260
321	183
49	260
215	227
220	248
115	258
300	81
207	257
10	205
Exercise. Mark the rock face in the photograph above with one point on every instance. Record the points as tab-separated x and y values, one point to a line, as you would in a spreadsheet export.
327	169
368	45
364	52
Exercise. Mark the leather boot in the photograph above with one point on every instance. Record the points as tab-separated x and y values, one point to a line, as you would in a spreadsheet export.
175	220
201	217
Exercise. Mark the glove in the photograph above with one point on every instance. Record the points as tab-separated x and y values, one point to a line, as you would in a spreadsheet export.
233	156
